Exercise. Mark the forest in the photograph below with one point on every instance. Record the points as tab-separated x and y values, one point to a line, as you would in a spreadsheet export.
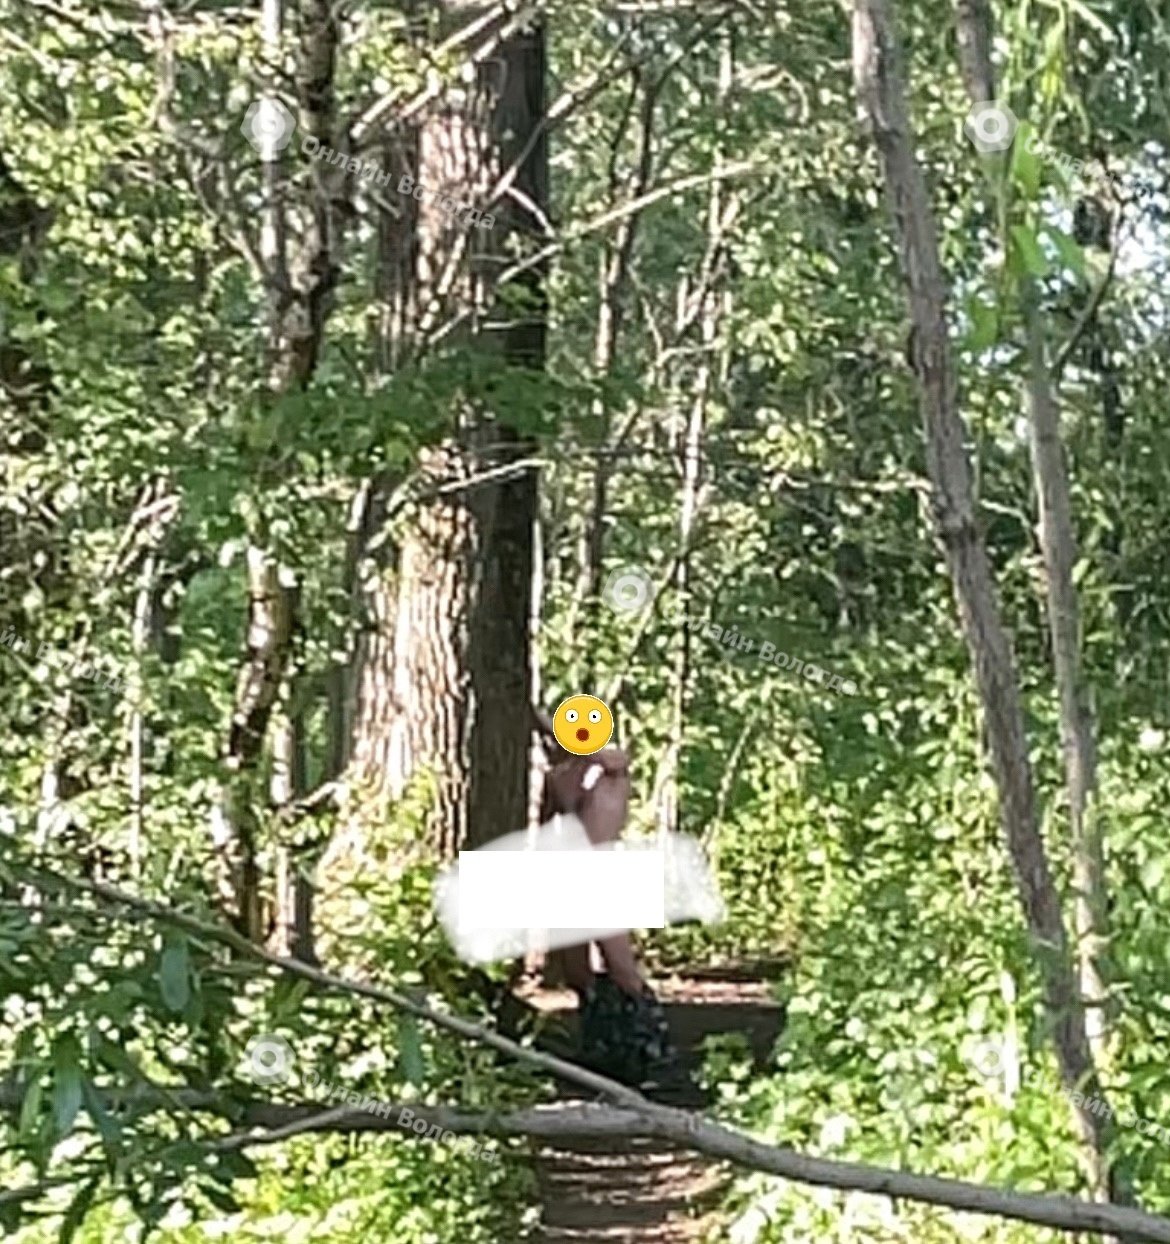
379	378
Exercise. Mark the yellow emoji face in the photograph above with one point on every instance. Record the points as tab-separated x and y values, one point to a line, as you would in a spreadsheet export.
582	725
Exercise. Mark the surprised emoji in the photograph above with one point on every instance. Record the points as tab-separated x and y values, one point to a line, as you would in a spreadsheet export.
582	725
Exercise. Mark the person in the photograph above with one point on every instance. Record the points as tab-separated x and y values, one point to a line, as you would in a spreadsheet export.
623	1030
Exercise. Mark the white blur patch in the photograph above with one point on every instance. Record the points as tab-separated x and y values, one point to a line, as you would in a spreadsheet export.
544	889
592	776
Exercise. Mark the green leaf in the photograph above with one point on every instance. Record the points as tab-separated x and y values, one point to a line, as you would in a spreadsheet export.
30	1109
1069	250
1025	167
108	1127
118	1001
1028	249
236	1165
289	996
11	1217
174	973
57	297
984	325
221	1198
66	1096
410	1055
115	1057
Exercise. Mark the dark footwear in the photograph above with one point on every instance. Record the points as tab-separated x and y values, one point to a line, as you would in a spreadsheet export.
623	1036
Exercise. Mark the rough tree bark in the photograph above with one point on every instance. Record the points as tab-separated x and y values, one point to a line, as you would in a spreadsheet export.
881	88
444	686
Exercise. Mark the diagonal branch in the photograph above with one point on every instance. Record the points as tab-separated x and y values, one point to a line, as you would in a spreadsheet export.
638	1117
693	1132
230	937
272	1123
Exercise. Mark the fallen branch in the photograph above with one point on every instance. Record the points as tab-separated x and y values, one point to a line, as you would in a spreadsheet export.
695	1133
590	1121
634	1117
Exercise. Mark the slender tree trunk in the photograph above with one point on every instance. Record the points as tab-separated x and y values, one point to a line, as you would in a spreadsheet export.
1058	544
300	293
292	932
1058	547
613	280
140	641
711	371
881	88
267	642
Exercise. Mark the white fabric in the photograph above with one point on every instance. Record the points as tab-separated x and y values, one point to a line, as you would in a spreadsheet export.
691	892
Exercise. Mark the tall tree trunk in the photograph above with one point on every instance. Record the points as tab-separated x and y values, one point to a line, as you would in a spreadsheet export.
711	371
1058	547
1059	550
445	685
1058	544
612	293
881	88
300	293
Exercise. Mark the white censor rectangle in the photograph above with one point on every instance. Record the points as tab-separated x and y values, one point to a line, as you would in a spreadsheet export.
598	892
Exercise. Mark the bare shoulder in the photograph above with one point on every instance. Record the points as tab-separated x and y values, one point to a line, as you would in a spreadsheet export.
613	760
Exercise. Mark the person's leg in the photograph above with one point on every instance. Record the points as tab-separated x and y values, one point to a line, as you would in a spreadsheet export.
623	1028
621	964
575	970
624	1033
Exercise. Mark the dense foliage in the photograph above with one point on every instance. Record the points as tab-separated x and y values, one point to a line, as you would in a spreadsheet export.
755	430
